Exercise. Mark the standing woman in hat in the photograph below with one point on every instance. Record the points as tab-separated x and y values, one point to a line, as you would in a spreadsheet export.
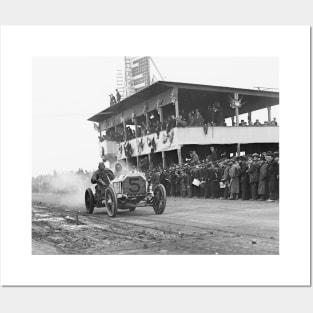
234	174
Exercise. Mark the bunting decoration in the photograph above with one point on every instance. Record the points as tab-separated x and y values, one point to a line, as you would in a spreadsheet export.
173	97
235	102
140	146
153	145
158	105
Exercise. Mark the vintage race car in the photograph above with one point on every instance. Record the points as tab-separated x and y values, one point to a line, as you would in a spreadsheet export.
126	192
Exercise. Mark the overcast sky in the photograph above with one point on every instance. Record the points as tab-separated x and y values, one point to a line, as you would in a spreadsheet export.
66	91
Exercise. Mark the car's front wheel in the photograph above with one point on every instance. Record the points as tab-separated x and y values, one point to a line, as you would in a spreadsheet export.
159	201
89	201
111	202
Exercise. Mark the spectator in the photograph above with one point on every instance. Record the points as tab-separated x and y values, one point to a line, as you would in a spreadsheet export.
226	179
198	120
262	179
273	175
242	123
194	158
213	154
257	123
144	164
118	95
253	172
112	100
181	122
191	119
234	173
274	122
244	180
171	123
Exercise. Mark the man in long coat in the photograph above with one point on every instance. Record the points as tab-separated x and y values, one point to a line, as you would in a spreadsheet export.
244	181
253	172
211	176
273	172
234	174
262	187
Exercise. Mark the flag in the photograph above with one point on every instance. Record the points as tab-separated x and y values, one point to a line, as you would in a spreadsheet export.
96	127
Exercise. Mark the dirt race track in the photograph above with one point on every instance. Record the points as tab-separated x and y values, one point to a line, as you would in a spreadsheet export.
60	225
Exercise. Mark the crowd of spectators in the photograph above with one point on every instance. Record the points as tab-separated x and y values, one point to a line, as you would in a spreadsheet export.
213	117
251	177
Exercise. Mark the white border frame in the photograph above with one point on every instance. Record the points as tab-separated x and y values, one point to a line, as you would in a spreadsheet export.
20	44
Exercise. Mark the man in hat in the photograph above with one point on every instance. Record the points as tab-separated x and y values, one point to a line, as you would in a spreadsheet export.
210	176
213	154
194	158
183	184
276	159
102	178
253	171
155	178
216	180
273	175
118	95
173	181
164	180
244	180
144	164
262	187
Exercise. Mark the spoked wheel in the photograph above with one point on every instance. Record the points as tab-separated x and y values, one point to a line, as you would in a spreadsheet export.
111	202
89	201
159	201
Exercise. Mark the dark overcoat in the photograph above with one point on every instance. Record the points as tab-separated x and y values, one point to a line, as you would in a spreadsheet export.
253	172
262	179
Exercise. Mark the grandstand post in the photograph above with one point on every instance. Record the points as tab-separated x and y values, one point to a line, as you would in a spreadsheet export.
179	154
163	160
269	117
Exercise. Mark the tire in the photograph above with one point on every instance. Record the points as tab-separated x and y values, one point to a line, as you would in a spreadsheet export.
132	209
111	202
159	201
89	201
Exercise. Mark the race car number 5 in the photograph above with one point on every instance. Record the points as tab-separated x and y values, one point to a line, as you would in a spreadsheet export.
133	182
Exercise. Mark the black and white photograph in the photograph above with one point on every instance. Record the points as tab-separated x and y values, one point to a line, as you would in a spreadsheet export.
155	156
152	155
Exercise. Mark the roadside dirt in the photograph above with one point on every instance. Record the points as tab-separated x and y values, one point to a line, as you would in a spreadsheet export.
60	225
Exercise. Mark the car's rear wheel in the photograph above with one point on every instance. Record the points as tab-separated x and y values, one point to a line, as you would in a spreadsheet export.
111	201
159	201
89	201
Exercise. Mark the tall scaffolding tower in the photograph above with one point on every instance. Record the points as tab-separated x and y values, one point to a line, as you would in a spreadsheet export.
120	82
139	74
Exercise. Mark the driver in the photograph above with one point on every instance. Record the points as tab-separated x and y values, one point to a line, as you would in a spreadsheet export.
102	178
